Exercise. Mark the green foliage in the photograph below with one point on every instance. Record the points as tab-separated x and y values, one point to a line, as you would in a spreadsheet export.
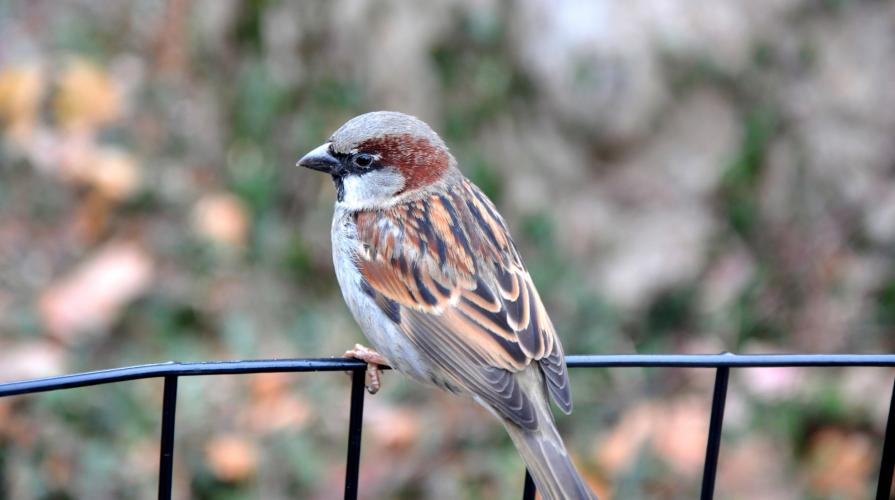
258	103
741	180
484	175
479	80
885	305
672	311
749	315
249	29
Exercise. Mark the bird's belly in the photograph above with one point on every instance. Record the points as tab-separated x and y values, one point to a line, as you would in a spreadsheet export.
382	333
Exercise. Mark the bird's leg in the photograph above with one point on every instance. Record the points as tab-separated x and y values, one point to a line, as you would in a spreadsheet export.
373	360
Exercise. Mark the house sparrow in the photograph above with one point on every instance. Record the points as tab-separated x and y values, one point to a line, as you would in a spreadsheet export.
430	273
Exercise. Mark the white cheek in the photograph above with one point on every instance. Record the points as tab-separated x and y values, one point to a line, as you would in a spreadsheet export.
371	190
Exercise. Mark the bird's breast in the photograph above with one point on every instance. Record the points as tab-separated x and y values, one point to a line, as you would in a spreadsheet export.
379	329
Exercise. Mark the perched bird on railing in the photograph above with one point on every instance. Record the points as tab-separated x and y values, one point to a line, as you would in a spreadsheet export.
434	280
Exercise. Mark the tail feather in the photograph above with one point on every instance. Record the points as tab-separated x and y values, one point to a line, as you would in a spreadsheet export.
547	460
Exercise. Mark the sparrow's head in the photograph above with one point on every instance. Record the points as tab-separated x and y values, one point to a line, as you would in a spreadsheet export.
379	158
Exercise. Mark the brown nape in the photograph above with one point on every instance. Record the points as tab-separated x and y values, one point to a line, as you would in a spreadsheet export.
416	158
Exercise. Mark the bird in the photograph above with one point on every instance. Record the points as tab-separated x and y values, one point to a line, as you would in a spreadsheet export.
430	273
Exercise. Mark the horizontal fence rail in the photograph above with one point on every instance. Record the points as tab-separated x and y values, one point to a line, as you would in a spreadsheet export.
722	363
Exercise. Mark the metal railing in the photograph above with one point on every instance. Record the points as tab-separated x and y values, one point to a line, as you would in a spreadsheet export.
722	363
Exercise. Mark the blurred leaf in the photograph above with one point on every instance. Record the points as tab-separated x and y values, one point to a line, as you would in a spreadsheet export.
672	310
299	260
222	218
885	305
259	102
331	94
87	97
741	178
232	458
750	316
93	295
670	428
28	360
21	88
840	464
248	30
253	178
485	176
115	173
539	229
479	81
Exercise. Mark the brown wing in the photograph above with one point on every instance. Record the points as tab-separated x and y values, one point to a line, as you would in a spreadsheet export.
446	271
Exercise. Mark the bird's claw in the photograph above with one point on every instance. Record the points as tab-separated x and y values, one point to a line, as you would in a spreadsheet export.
373	360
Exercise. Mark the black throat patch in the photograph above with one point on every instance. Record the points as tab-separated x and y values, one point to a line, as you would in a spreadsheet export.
339	182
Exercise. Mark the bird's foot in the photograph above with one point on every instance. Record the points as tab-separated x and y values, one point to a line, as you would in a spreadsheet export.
373	360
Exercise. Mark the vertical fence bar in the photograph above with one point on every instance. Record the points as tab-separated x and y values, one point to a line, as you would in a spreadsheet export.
166	455
355	424
528	492
713	446
887	463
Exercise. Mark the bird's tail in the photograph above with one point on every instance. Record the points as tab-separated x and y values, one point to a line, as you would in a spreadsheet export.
547	460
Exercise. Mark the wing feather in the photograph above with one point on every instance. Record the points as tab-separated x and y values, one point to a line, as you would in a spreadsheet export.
445	270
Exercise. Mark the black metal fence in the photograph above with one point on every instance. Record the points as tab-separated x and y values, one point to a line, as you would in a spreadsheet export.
722	363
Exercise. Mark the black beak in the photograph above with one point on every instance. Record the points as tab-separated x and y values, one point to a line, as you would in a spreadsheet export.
322	160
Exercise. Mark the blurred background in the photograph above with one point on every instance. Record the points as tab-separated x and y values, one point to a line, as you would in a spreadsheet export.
680	176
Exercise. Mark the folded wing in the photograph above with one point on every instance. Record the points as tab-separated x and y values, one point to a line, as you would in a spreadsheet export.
445	270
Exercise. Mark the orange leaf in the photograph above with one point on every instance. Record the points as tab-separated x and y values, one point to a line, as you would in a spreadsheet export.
87	97
21	88
232	458
93	295
222	218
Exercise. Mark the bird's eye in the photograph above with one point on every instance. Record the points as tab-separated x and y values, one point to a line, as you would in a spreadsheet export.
363	160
